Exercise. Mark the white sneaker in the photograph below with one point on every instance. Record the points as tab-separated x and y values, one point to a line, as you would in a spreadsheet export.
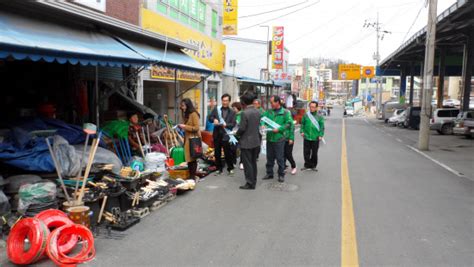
293	171
241	166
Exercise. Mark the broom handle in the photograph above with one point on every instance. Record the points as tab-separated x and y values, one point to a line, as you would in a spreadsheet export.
78	177
58	170
88	169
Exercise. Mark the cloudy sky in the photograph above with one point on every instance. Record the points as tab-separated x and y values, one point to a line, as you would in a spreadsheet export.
334	28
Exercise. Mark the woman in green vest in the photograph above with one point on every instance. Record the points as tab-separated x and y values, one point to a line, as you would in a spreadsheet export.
238	114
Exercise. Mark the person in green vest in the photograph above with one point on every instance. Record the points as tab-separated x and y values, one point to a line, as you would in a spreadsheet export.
237	107
312	130
277	122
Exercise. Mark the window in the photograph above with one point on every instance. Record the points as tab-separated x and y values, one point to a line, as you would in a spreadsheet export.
444	113
163	6
214	23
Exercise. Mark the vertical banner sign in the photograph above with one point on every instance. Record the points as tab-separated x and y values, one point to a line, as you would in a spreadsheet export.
230	11
277	47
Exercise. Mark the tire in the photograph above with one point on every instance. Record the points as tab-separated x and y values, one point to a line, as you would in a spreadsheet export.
447	129
440	132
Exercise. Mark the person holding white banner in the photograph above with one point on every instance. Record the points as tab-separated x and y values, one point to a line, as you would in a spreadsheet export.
312	130
276	122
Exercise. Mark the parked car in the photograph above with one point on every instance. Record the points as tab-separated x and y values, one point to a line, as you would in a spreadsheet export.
349	111
393	120
443	120
451	103
464	124
412	119
388	108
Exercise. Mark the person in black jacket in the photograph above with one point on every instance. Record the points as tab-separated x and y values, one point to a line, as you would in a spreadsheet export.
223	118
249	133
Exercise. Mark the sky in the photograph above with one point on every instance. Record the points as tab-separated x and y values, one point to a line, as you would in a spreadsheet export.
334	28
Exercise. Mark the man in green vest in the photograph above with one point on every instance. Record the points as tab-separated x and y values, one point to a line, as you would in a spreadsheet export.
276	121
312	130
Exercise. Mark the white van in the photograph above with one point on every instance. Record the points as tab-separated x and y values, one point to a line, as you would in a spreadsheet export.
443	120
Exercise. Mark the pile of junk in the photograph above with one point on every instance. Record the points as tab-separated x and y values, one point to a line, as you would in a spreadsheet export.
59	183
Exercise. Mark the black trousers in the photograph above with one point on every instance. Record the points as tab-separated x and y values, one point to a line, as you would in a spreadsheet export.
276	152
310	151
249	159
289	154
192	167
229	154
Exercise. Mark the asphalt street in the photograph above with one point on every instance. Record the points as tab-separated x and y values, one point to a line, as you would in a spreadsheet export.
407	211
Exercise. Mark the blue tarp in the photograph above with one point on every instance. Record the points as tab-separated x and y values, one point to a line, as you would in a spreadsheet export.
23	151
28	38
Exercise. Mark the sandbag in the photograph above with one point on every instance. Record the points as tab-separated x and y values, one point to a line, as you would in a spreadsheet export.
39	193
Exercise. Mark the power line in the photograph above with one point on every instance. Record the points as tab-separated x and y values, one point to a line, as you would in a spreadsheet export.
284	15
274	10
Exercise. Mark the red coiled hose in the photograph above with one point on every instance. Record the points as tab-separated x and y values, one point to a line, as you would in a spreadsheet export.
54	219
86	254
36	232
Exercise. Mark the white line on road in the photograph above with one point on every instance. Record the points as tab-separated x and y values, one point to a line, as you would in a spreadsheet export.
389	134
437	162
399	140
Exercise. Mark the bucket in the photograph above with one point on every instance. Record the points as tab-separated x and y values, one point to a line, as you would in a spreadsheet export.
80	215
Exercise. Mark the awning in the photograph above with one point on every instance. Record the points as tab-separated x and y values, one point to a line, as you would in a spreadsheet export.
254	81
170	58
27	38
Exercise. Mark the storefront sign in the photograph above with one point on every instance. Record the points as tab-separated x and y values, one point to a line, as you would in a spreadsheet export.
349	72
211	52
230	12
277	47
165	73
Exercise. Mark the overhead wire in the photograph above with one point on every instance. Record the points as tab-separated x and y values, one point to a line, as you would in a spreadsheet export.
281	16
274	10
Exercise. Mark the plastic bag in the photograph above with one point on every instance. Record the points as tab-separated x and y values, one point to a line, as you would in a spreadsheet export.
4	204
102	155
67	157
39	193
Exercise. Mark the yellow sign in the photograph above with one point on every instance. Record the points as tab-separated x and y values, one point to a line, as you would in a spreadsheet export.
211	52
195	96
368	72
230	11
349	72
165	73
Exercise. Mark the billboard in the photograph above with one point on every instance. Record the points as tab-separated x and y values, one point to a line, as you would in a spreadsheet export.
349	72
230	17
277	47
211	51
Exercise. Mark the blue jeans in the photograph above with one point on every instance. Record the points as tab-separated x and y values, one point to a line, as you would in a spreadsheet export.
276	151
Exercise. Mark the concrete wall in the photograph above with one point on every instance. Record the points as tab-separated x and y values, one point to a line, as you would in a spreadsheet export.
250	57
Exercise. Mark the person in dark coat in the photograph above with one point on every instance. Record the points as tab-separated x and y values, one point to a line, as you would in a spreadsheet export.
223	118
249	133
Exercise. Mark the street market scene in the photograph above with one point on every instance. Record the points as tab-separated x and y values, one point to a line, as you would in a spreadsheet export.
237	133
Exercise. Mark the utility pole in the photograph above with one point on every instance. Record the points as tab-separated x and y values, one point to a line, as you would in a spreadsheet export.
268	51
424	135
380	35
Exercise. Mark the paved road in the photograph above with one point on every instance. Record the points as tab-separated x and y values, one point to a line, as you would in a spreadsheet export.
408	211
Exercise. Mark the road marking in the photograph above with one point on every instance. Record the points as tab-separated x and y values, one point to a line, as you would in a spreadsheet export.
399	140
349	255
389	134
459	174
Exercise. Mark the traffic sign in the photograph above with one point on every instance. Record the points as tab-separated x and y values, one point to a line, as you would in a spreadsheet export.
368	72
349	72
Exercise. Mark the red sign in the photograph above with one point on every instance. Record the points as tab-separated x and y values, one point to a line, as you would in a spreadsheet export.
277	47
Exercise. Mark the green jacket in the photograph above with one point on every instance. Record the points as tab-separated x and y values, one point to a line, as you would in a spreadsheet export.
284	119
238	116
309	130
290	133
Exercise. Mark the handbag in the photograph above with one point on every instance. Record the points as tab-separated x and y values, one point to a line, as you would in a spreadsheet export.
195	147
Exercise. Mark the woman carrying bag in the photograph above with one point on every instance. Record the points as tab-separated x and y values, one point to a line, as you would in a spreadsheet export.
192	136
